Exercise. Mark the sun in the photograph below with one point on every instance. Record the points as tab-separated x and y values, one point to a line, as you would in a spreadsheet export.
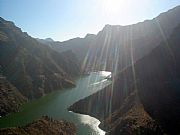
113	6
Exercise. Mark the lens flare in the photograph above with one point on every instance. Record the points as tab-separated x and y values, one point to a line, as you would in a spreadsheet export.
113	6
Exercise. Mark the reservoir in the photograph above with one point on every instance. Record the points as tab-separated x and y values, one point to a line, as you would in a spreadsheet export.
56	103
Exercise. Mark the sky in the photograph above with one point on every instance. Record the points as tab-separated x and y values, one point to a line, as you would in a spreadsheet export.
65	19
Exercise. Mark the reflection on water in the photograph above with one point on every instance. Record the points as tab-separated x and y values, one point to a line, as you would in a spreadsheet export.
100	82
92	122
104	73
56	103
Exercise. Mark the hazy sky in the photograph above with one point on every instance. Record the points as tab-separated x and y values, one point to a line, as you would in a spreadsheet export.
65	19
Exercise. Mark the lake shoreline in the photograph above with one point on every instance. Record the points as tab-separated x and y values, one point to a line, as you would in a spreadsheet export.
75	109
98	121
55	105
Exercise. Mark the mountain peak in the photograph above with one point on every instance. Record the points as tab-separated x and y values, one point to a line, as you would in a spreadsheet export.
90	35
49	39
108	27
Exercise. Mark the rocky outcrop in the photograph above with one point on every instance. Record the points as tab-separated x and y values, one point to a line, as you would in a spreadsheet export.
43	126
33	68
136	121
144	97
10	97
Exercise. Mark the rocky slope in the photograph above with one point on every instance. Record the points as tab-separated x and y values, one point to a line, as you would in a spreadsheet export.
10	97
79	46
43	126
34	69
144	98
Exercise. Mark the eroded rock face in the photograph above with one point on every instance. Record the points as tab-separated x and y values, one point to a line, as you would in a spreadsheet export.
10	97
43	126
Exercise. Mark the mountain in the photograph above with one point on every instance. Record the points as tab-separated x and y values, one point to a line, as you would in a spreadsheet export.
112	47
144	98
79	46
49	40
42	126
118	46
10	97
33	68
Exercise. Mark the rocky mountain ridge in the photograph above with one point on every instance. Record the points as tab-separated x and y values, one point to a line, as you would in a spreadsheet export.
34	69
144	97
112	47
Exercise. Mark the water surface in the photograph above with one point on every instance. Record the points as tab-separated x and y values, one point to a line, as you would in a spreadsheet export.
56	103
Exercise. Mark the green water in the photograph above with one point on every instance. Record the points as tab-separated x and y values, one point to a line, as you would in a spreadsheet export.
56	103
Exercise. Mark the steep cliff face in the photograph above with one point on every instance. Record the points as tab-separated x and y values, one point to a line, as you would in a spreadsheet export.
43	126
159	83
144	97
34	69
10	97
112	47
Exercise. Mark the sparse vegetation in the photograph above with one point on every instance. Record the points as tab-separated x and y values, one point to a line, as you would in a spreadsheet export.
43	126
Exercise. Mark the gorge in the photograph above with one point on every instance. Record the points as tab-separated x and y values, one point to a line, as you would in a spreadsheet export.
61	79
56	103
